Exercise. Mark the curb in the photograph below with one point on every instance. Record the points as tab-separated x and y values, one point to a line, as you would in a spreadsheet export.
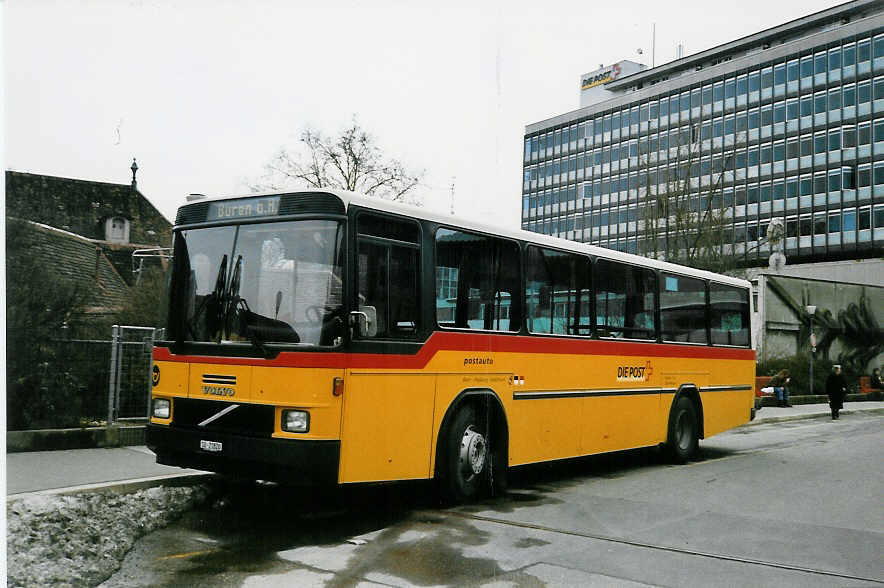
79	438
119	486
814	415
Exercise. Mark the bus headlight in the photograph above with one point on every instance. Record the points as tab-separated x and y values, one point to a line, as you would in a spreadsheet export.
162	407
295	421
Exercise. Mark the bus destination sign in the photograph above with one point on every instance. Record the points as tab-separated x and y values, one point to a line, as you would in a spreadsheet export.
243	208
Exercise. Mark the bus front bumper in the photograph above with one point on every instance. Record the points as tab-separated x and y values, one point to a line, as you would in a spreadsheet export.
290	461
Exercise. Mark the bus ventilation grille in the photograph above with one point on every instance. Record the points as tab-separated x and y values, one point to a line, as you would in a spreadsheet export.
192	213
219	380
317	202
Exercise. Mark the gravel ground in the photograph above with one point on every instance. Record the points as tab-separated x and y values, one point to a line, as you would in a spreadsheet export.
80	540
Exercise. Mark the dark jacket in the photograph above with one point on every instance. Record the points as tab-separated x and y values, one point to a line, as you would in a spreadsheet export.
875	382
835	389
780	381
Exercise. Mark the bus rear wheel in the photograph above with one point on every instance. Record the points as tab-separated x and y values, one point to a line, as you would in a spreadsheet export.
683	439
466	457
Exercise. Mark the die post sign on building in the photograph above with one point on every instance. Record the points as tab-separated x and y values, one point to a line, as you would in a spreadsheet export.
601	76
592	84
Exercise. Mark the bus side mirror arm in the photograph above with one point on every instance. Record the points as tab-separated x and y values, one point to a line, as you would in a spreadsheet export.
360	322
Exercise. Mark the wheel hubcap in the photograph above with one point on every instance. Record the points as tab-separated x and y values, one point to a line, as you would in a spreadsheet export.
472	451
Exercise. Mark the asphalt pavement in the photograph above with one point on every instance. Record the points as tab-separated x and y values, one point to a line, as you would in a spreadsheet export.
124	469
780	504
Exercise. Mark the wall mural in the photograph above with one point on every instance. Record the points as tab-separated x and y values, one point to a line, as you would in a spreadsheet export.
855	327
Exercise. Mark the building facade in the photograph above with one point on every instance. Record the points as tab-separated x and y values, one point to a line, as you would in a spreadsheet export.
787	123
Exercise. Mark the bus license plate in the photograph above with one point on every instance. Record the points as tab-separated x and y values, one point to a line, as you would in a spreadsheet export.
210	445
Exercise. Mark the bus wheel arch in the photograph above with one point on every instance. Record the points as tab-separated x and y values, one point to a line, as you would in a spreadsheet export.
472	446
685	424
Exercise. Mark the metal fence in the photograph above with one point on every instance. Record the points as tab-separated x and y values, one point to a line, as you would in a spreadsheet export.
84	382
129	373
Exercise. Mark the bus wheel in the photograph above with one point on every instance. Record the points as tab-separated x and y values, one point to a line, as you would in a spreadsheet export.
683	439
466	457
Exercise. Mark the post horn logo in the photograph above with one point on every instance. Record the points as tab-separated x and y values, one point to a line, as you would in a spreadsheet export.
155	375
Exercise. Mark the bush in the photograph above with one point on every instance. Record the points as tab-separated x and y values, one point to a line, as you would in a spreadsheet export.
799	370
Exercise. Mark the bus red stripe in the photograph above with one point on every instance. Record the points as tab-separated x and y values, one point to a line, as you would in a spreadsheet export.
469	342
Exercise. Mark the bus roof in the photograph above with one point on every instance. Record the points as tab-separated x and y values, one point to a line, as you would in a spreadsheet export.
417	212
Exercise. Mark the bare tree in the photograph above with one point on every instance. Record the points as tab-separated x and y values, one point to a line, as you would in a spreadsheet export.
350	160
686	216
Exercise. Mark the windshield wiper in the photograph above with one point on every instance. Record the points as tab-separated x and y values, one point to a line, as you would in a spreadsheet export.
212	304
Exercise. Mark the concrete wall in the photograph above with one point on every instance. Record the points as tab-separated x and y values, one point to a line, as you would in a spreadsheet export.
778	327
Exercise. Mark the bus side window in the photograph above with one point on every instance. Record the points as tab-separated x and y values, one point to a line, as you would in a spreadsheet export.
558	292
683	309
478	282
387	272
625	297
729	309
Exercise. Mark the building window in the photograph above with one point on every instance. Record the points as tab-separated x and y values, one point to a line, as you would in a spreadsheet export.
879	217
835	223
848	137
819	65
835	59
879	130
848	55
835	140
879	46
848	220
864	134
864	92
819	103
848	95
779	74
754	81
116	230
806	67
792	71
865	218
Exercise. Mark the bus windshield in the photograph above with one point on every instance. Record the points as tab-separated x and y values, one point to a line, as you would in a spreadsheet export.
260	283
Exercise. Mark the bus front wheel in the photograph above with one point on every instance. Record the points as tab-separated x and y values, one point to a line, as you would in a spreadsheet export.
465	456
683	439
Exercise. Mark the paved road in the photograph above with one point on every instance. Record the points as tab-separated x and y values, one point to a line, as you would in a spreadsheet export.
785	504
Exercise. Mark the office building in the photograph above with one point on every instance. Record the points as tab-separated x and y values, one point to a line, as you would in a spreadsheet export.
786	123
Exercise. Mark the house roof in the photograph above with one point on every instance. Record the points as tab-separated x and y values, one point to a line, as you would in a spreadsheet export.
82	206
73	259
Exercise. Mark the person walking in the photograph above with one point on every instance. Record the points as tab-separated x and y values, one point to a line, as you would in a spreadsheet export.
836	389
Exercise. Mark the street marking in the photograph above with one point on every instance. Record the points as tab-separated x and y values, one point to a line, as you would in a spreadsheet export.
188	554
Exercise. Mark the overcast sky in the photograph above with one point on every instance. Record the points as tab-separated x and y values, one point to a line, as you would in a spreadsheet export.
204	92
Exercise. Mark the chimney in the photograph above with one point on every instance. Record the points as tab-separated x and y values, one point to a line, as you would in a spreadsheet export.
134	169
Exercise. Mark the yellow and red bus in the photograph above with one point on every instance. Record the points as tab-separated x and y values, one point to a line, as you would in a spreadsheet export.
323	337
